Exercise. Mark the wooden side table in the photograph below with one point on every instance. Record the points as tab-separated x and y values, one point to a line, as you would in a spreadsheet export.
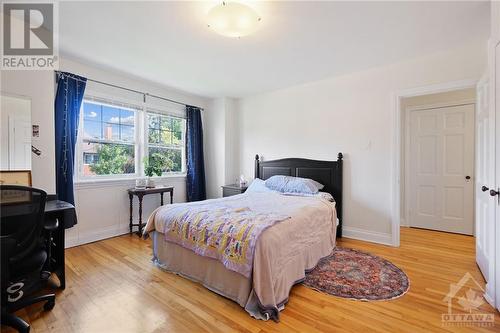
233	189
140	193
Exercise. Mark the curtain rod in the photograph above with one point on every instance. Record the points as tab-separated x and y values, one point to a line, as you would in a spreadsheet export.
136	91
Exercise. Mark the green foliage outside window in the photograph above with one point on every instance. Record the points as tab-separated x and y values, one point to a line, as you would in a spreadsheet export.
156	164
113	159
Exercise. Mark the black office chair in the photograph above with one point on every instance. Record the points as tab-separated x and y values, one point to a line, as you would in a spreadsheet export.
23	252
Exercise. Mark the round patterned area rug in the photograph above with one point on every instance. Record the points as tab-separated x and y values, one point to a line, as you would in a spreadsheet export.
357	275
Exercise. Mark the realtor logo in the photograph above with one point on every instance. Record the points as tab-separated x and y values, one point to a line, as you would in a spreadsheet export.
469	302
29	36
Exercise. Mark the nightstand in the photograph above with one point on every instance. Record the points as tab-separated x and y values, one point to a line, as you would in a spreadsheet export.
233	189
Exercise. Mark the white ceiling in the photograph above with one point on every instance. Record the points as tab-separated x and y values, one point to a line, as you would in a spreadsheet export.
169	42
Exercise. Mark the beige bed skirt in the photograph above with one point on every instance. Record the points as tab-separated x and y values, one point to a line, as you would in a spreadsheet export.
207	271
213	275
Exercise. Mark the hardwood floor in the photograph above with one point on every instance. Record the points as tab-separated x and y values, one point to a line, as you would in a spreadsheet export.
112	286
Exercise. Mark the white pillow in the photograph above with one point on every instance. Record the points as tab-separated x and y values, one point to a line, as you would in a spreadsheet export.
258	185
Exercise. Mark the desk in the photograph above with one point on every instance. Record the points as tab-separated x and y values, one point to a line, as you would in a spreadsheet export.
65	214
140	193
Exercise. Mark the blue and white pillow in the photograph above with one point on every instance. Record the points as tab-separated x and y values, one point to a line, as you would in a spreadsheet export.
291	185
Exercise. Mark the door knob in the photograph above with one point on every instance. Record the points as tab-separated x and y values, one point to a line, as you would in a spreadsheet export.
484	188
467	177
493	193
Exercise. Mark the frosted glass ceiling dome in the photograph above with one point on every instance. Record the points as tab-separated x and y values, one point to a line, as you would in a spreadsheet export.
233	19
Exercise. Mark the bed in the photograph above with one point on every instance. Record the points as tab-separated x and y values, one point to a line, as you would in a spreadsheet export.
283	252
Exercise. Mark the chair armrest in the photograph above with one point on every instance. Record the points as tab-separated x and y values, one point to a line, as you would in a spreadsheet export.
51	224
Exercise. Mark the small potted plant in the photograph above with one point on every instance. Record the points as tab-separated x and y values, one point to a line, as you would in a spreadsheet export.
154	165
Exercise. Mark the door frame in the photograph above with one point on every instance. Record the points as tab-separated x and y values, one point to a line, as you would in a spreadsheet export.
11	128
397	110
495	298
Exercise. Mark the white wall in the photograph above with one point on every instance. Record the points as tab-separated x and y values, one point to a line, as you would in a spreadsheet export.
38	86
352	114
102	207
231	166
214	147
221	145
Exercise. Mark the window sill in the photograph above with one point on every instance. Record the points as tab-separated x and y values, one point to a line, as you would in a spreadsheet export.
130	182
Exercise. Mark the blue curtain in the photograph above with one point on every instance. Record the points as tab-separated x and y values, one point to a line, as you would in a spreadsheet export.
194	153
69	96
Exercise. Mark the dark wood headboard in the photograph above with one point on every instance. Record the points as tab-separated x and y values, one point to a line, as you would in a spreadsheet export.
328	173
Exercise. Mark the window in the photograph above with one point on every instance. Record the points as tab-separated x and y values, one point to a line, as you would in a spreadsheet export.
108	142
166	137
90	158
114	139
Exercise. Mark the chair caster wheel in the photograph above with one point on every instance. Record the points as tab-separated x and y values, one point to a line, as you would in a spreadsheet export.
45	275
49	305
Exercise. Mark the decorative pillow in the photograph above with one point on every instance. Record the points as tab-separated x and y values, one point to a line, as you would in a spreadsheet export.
257	185
288	184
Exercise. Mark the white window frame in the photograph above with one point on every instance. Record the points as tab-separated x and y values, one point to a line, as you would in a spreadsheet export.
147	144
141	144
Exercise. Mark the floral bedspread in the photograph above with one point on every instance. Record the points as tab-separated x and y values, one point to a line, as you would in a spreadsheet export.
224	233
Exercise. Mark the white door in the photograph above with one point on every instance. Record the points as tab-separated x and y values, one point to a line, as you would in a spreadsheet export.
441	168
485	179
19	143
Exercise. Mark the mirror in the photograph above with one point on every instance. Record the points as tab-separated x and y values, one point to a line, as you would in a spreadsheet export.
15	131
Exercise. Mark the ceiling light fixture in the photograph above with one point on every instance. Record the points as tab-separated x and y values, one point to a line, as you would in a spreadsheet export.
233	19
